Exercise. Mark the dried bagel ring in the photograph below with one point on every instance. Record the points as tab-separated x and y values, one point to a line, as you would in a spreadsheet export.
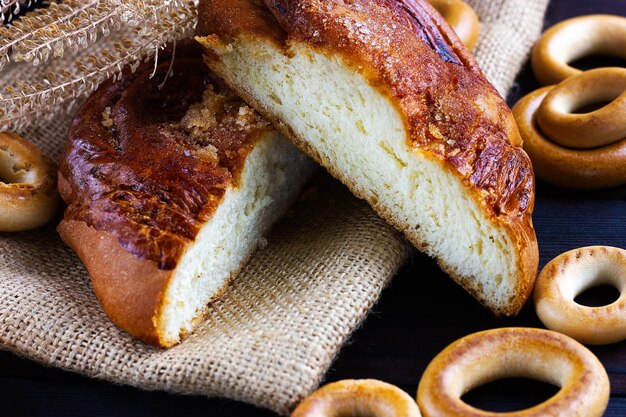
461	18
28	193
358	397
573	168
573	272
601	127
573	39
515	352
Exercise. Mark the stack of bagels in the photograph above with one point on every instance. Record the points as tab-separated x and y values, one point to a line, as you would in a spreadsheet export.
572	145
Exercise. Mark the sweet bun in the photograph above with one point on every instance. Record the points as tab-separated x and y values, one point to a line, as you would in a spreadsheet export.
385	96
169	189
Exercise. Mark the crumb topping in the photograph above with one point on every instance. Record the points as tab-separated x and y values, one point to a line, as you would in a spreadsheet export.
106	118
202	116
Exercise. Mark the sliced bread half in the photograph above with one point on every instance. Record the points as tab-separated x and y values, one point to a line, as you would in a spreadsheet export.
384	95
169	191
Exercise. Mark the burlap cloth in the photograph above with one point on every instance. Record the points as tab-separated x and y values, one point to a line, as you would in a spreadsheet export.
273	336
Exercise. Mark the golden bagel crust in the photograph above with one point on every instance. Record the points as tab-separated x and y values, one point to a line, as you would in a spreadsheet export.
357	397
407	52
576	38
493	354
570	274
461	18
28	192
566	167
557	118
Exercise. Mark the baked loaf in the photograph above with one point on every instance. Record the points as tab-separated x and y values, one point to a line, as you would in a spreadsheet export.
384	95
169	190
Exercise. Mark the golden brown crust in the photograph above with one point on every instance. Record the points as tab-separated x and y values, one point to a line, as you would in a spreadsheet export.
229	17
130	148
576	38
515	352
28	194
461	18
451	112
143	170
571	273
572	168
357	397
129	289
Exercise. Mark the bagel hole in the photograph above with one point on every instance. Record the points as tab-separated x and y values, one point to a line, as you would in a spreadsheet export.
359	410
598	61
8	174
598	296
510	394
589	107
12	170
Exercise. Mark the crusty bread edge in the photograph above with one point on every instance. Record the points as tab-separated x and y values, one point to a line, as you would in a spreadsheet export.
134	307
520	235
131	290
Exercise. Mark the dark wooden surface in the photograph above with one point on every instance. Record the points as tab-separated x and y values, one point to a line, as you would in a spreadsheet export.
418	315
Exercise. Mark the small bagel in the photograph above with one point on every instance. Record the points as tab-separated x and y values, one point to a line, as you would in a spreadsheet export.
573	272
601	127
573	39
571	168
461	18
515	352
28	193
365	397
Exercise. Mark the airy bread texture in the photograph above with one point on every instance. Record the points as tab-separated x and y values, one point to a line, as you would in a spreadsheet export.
162	306
272	177
169	192
335	107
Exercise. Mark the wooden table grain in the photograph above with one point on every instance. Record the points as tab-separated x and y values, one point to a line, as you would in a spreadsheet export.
420	313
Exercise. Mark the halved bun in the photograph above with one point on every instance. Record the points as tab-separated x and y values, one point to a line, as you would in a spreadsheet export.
384	95
170	189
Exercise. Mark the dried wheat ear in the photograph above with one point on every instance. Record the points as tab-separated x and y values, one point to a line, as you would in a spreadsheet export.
11	9
75	45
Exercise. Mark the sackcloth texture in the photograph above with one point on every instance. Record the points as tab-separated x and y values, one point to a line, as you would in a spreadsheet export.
271	338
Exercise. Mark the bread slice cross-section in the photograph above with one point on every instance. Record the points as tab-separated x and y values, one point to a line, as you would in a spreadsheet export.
384	95
169	190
